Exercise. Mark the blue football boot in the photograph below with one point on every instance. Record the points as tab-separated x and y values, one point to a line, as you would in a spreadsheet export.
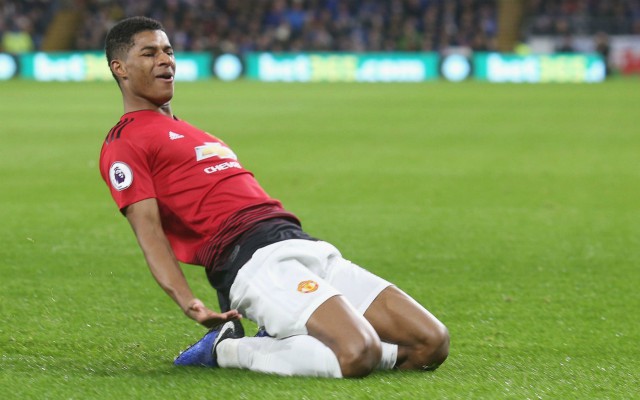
203	352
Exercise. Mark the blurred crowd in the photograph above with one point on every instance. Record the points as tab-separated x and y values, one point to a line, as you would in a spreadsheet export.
23	24
238	26
583	17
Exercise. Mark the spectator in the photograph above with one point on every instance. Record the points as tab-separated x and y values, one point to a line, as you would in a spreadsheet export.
602	48
17	39
566	44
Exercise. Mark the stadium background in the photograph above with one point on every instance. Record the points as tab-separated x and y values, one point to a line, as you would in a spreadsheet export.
375	40
510	210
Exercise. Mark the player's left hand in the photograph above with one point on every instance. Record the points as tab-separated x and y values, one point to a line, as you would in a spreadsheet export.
203	315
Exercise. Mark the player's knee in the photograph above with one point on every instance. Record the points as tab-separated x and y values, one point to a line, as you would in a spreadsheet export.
360	357
439	349
432	350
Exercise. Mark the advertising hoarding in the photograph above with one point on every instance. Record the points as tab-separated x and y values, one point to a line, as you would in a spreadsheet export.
342	67
562	68
8	66
325	67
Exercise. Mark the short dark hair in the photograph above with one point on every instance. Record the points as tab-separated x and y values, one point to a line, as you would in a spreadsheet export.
120	38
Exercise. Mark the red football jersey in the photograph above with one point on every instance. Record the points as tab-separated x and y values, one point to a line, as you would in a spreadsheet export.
196	179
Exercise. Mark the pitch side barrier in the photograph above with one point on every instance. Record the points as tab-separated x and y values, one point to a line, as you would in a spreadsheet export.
324	67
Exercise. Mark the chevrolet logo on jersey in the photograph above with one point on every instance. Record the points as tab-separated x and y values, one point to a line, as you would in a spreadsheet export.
212	149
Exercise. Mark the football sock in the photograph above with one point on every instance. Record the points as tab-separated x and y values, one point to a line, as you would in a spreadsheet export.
300	355
389	356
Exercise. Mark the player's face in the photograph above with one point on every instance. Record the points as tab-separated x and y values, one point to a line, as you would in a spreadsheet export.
150	67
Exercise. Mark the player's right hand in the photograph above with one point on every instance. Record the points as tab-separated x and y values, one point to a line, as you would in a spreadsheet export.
208	318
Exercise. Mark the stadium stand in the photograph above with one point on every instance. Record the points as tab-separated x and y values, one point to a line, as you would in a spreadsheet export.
237	26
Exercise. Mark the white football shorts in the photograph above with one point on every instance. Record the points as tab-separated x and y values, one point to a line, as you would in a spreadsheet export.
284	283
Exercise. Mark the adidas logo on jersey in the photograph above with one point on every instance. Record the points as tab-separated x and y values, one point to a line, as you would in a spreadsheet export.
174	136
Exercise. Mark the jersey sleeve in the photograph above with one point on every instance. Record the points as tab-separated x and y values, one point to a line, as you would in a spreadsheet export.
125	167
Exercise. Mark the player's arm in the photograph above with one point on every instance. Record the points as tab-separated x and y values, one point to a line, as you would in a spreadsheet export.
144	218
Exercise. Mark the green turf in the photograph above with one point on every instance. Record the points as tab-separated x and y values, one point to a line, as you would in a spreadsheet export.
511	211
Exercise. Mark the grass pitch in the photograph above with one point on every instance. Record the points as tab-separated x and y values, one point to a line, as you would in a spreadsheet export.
510	211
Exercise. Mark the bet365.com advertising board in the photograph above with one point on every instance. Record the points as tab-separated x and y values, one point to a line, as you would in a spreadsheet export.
343	67
495	67
324	67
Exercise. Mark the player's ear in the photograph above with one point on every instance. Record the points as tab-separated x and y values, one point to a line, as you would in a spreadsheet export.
118	68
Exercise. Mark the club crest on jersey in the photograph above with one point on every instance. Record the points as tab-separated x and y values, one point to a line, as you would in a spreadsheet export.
213	149
121	175
307	286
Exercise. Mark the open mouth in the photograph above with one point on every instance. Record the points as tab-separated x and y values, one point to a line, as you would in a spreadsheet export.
167	77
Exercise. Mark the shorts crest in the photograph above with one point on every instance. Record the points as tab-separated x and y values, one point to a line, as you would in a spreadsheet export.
307	286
